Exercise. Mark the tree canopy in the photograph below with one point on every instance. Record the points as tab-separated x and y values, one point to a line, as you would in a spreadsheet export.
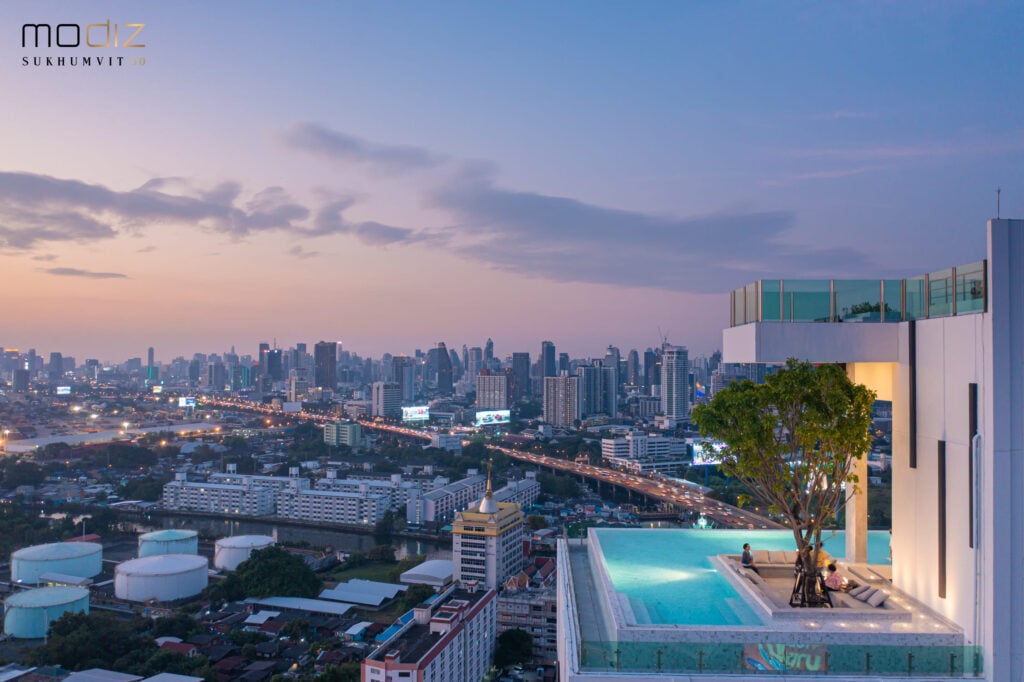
275	572
792	440
513	646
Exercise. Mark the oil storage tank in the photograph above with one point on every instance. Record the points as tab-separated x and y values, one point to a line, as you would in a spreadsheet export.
163	577
171	541
28	614
81	559
229	552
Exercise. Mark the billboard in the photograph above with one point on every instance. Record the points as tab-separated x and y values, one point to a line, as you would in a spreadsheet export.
63	390
707	453
158	389
492	417
417	413
186	402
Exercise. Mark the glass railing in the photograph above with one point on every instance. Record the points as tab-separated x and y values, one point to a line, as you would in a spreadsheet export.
776	659
956	291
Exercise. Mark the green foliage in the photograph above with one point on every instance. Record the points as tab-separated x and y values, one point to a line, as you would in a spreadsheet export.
560	487
792	440
122	456
536	522
528	410
346	672
243	638
274	572
149	489
22	526
20	472
382	553
415	595
513	647
296	629
308	442
179	625
79	641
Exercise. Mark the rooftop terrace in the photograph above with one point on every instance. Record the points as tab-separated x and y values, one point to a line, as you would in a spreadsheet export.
955	291
605	634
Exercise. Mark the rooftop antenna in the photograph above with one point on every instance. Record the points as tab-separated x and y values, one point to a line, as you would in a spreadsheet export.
999	190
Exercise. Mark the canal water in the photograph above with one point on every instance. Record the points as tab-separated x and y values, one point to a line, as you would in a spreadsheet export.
316	537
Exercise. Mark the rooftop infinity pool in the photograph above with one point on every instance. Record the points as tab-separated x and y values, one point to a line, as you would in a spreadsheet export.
669	579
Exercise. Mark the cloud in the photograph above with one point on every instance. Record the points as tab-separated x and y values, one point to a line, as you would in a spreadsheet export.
302	254
39	208
344	148
568	240
46	257
330	219
88	274
146	249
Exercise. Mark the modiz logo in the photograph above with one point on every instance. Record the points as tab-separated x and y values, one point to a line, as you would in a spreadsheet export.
103	36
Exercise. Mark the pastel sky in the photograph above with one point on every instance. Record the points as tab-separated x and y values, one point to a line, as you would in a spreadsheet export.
394	174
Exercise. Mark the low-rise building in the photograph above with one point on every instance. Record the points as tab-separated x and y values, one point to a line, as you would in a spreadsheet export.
344	433
524	492
219	498
447	441
398	491
451	640
536	612
333	506
441	503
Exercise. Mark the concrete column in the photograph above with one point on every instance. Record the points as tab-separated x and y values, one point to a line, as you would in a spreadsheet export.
857	513
879	377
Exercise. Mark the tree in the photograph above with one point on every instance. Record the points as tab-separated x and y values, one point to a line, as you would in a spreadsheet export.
78	641
275	572
179	625
346	672
536	522
514	647
792	441
296	629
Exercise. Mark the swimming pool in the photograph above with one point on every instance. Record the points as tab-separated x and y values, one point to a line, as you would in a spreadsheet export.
668	577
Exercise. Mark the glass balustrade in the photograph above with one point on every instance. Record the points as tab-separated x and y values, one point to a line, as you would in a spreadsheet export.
955	291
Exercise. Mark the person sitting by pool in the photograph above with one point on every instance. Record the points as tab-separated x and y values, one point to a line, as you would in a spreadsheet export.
837	582
747	559
824	558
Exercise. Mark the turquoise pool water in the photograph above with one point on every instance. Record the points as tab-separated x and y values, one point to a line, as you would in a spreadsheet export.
669	579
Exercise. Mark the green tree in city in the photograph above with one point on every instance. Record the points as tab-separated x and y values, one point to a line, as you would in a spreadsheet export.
513	647
536	522
792	441
346	672
273	572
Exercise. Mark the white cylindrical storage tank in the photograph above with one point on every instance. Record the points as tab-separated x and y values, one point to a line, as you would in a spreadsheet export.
171	541
27	615
229	552
164	577
81	559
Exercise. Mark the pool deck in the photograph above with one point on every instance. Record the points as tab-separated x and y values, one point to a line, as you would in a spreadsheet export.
606	615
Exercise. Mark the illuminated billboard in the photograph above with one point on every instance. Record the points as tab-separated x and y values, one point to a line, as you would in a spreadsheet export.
705	453
63	390
418	413
492	417
158	389
186	402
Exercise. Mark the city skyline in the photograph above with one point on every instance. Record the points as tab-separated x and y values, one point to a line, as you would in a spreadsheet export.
391	176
